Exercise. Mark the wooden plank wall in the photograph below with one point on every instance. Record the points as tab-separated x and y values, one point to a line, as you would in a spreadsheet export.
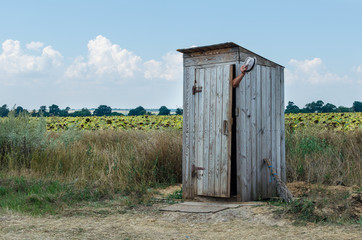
260	131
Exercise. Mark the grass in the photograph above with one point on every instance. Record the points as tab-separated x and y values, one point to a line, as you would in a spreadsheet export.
323	204
38	197
44	172
106	162
324	156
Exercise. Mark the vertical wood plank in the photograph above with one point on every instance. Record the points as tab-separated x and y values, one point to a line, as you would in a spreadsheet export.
200	133
282	124
258	134
273	133
242	136
253	144
224	173
186	180
205	177
264	123
192	133
238	106
269	125
212	150
248	137
230	128
218	115
277	120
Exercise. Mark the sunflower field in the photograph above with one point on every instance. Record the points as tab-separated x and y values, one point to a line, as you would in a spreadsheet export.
115	122
331	121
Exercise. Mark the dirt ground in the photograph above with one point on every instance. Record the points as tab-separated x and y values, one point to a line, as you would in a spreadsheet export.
115	222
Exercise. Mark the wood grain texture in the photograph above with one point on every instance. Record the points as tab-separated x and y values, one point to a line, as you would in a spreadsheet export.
186	171
200	128
259	132
219	125
273	128
212	133
282	129
253	133
258	163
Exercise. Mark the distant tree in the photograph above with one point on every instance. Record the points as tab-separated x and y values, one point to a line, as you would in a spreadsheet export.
164	111
357	106
344	109
292	108
54	110
4	111
102	110
82	113
328	108
19	110
117	114
179	111
314	107
137	111
34	113
43	111
64	112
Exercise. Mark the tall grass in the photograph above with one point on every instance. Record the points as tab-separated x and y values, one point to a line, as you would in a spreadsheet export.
132	161
324	156
128	161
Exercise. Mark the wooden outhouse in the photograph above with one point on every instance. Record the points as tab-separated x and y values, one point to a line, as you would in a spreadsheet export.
227	132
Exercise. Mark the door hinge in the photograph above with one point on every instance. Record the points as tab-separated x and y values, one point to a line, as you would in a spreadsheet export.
194	169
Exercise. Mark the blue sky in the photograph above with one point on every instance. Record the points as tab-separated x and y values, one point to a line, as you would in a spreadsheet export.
123	53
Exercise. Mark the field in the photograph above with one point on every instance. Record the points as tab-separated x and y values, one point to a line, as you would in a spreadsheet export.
119	122
80	169
330	121
334	121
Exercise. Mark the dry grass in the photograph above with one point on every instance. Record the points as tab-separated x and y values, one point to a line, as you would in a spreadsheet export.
324	156
129	161
132	161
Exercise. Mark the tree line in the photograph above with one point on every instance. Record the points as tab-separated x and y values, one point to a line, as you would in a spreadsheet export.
320	107
102	110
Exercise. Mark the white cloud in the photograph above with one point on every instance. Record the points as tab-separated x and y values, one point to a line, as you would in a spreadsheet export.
14	62
311	71
170	68
34	45
358	69
105	59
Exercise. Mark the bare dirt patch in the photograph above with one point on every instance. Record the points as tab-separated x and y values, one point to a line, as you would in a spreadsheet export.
146	222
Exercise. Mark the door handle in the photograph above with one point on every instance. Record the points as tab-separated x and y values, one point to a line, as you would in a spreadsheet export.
226	129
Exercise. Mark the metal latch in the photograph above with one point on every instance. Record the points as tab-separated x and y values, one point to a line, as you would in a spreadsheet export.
196	89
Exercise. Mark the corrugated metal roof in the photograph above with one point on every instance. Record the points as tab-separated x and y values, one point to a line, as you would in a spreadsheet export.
207	48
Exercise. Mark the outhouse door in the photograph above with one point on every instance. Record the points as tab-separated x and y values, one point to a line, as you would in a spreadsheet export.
212	99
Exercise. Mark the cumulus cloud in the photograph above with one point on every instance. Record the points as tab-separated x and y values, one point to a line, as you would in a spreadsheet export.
358	69
109	61
169	69
311	71
105	59
34	45
13	61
